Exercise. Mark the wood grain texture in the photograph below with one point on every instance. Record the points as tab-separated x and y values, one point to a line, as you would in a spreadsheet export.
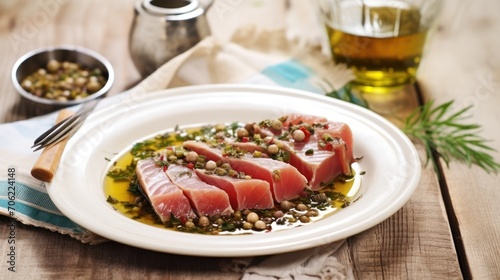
46	255
463	65
414	243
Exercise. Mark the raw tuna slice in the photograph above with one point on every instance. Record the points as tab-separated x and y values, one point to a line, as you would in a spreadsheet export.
320	124
285	181
343	143
165	197
202	148
321	166
327	154
207	200
334	129
243	193
322	157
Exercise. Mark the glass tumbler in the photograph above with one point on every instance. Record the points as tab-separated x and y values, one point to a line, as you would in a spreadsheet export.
382	41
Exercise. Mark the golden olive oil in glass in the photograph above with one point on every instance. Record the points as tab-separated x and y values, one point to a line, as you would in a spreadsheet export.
382	43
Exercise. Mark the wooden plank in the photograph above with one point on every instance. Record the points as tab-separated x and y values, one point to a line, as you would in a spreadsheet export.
463	65
42	254
414	243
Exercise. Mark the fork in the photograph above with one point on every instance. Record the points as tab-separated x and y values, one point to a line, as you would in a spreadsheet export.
64	128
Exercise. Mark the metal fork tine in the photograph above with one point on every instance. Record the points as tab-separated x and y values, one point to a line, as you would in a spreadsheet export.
65	127
61	135
55	130
58	134
46	133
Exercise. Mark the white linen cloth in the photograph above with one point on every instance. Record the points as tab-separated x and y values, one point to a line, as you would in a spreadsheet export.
251	56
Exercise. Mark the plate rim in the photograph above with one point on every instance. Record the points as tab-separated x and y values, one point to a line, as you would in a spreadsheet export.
169	94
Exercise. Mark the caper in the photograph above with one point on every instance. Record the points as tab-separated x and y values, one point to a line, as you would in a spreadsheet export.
203	221
298	135
53	65
172	158
304	219
59	78
278	214
277	125
301	207
237	215
252	217
286	205
219	127
312	213
273	149
191	156
210	165
247	225
225	166
220	171
260	225
93	86
320	197
242	132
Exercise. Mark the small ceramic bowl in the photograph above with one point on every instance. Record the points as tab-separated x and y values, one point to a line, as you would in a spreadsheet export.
37	59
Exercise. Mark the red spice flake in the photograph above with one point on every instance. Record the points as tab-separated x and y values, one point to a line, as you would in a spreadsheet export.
329	147
165	167
325	126
161	158
245	139
306	133
190	165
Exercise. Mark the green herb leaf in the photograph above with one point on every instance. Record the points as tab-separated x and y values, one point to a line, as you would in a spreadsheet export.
346	94
440	130
112	200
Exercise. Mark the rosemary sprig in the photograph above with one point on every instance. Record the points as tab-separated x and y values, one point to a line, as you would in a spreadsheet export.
444	132
439	130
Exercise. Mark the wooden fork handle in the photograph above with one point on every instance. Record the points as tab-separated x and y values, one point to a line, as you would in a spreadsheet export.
46	165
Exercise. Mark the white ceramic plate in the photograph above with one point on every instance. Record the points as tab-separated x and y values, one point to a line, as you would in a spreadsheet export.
390	160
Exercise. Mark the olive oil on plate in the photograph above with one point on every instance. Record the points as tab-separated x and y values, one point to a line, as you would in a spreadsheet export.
116	189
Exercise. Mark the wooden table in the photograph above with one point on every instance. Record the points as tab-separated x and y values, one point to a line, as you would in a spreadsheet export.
449	229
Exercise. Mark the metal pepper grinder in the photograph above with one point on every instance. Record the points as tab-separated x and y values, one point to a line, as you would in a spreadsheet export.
162	29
